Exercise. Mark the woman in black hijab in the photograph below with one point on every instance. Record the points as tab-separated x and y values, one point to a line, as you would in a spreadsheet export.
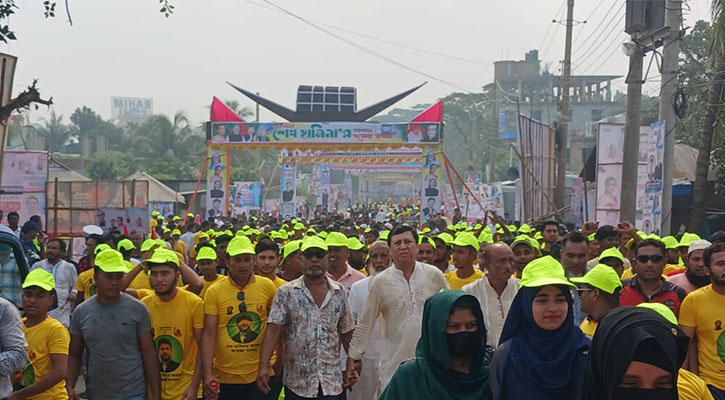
636	354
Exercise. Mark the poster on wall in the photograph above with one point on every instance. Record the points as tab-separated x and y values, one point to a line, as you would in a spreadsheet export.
245	196
26	205
430	192
24	171
649	179
164	208
288	190
216	184
323	199
124	220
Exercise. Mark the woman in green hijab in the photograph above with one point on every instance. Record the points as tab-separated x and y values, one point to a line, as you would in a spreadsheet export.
452	359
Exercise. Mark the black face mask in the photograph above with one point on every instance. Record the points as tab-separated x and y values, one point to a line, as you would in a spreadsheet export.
462	344
645	394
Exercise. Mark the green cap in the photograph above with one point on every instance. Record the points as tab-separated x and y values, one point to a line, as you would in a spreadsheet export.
336	239
322	234
148	244
176	232
240	245
190	215
446	238
477	226
154	213
99	248
206	253
40	278
204	235
167	230
601	277
592	236
662	310
687	238
311	230
314	242
110	261
466	239
426	230
538	236
612	252
527	240
354	244
425	239
290	248
299	226
162	256
126	245
384	235
485	238
544	271
525	228
176	218
670	242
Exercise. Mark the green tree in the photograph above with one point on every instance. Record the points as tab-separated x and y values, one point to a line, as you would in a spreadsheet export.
243	112
55	133
111	166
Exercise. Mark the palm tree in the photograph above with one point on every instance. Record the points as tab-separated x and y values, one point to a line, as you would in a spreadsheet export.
707	125
55	133
242	111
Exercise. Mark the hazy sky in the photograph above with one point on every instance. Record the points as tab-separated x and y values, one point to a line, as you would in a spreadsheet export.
127	48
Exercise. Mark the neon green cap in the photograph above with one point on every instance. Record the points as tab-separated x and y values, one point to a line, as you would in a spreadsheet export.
426	230
544	271
485	238
425	239
314	242
670	242
40	278
99	248
190	215
110	261
592	236
154	213
354	244
612	252
525	229
477	226
125	245
538	236
466	239
527	240
336	239
446	238
602	277
206	253
299	226
384	235
240	245
162	256
176	232
204	235
148	244
176	218
662	310
322	234
290	248
312	230
167	230
687	238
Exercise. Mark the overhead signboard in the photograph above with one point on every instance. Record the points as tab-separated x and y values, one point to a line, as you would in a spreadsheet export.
131	109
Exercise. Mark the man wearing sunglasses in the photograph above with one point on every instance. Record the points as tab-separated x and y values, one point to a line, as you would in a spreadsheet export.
235	320
649	286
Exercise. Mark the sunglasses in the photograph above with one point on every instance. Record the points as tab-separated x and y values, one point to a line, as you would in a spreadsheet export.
242	305
319	254
654	259
580	291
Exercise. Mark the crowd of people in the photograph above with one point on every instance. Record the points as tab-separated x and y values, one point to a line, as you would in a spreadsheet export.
340	307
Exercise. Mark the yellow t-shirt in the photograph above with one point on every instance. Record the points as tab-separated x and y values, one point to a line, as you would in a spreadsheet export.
589	327
173	324
152	226
46	338
180	248
144	293
278	281
209	283
692	387
237	354
457	283
143	281
86	284
702	309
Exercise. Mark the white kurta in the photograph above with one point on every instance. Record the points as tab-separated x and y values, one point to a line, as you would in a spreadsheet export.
494	308
399	305
366	388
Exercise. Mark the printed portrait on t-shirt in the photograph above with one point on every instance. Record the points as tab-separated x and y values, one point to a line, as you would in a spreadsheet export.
244	327
170	353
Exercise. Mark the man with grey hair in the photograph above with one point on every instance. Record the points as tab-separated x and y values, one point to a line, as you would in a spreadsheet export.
694	276
378	262
496	290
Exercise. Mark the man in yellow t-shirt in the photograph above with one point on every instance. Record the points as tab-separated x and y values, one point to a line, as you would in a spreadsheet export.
177	319
599	291
702	317
206	262
44	375
465	250
179	245
235	321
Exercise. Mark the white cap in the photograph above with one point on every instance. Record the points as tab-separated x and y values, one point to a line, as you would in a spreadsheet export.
92	230
701	244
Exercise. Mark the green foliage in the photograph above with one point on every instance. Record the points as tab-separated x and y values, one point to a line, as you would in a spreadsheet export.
55	133
111	166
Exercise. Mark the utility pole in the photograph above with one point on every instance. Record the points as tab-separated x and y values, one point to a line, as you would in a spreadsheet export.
633	119
257	113
564	124
668	88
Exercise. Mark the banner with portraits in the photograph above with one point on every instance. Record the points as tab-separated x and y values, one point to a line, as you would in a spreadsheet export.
24	174
288	191
323	188
430	193
217	184
245	197
650	178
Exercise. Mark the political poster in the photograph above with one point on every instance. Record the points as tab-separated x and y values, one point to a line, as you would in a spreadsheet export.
245	196
24	171
217	184
649	179
124	220
324	190
430	194
288	189
164	208
25	204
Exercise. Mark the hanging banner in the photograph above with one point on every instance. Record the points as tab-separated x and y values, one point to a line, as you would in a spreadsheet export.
124	220
324	187
649	179
164	208
24	171
216	184
245	196
288	189
430	188
323	133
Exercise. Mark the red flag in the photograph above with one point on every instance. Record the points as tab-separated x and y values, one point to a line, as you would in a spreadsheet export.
433	114
220	112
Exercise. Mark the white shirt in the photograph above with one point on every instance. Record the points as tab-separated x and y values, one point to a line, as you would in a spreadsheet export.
398	303
188	239
65	276
495	308
356	298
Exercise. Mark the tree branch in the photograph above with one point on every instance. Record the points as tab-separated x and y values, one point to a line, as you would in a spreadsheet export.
24	100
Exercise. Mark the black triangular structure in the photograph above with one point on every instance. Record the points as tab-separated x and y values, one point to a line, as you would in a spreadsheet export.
322	111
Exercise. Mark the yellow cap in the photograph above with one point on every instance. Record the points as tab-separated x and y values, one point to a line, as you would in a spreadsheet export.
670	242
110	261
176	218
592	236
688	238
525	228
299	226
466	239
154	213
204	235
446	238
612	252
425	239
485	237
125	245
167	230
40	278
162	256
527	240
148	244
190	215
322	234
354	244
290	248
544	271
314	242
99	248
426	230
602	277
176	232
662	310
311	230
240	245
538	236
384	235
206	253
336	239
